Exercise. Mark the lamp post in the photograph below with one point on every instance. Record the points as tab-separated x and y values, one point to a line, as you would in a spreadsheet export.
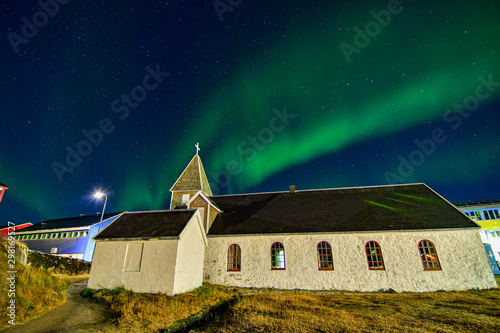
99	195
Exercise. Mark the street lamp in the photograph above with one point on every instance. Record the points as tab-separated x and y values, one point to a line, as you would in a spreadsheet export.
99	195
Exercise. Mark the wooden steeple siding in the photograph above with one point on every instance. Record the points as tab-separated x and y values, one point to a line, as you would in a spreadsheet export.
192	190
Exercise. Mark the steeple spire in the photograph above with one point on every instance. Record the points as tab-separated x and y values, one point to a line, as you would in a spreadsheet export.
192	180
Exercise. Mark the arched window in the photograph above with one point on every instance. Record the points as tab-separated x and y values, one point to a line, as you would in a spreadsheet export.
325	258
277	256
374	256
428	255
234	258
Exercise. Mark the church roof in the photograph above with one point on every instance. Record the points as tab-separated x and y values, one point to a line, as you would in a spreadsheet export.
363	209
152	224
193	178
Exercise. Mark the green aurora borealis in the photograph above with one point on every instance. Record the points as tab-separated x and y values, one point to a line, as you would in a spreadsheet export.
395	91
338	104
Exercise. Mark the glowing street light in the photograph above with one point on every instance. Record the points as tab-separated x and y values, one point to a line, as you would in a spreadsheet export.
99	195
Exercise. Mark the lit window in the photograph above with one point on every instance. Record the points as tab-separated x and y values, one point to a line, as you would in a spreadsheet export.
277	256
428	255
325	258
497	215
234	258
485	214
185	198
475	215
374	256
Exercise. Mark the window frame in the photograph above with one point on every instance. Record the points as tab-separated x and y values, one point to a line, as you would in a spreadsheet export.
427	261
232	254
273	256
321	256
379	260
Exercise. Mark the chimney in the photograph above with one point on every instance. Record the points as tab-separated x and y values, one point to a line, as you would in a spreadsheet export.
82	215
292	189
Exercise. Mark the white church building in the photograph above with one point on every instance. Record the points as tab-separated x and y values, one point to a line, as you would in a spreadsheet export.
400	237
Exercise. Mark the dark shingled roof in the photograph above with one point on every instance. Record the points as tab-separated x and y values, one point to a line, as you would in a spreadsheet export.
381	208
68	222
147	224
3	185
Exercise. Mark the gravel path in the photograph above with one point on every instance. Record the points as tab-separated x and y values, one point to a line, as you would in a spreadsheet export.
76	315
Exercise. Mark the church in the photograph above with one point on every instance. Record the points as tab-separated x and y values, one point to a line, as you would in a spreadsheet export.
401	237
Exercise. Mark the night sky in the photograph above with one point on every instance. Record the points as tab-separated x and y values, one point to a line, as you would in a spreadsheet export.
114	95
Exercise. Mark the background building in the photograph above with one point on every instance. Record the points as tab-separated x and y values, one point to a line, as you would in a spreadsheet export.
487	215
67	237
3	188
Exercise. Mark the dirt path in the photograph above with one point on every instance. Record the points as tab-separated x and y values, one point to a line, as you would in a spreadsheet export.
76	315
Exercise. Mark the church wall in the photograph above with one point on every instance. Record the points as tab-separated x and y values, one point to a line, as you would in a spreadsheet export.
461	254
156	272
190	257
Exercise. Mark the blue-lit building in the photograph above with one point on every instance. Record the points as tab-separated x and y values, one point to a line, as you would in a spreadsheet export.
66	237
487	215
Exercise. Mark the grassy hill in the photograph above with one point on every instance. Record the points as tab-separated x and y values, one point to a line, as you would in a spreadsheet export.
36	290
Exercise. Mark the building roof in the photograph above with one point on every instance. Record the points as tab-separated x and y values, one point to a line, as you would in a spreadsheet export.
68	222
153	224
363	209
193	178
478	203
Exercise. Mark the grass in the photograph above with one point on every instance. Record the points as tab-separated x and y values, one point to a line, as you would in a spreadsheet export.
266	310
37	290
477	311
157	312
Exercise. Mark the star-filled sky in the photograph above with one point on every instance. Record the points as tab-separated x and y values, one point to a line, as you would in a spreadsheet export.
114	95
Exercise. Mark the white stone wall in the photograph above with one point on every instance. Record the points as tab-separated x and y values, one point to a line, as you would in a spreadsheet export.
190	257
156	273
461	254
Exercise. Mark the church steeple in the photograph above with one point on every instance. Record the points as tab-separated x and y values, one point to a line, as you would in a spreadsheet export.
192	180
